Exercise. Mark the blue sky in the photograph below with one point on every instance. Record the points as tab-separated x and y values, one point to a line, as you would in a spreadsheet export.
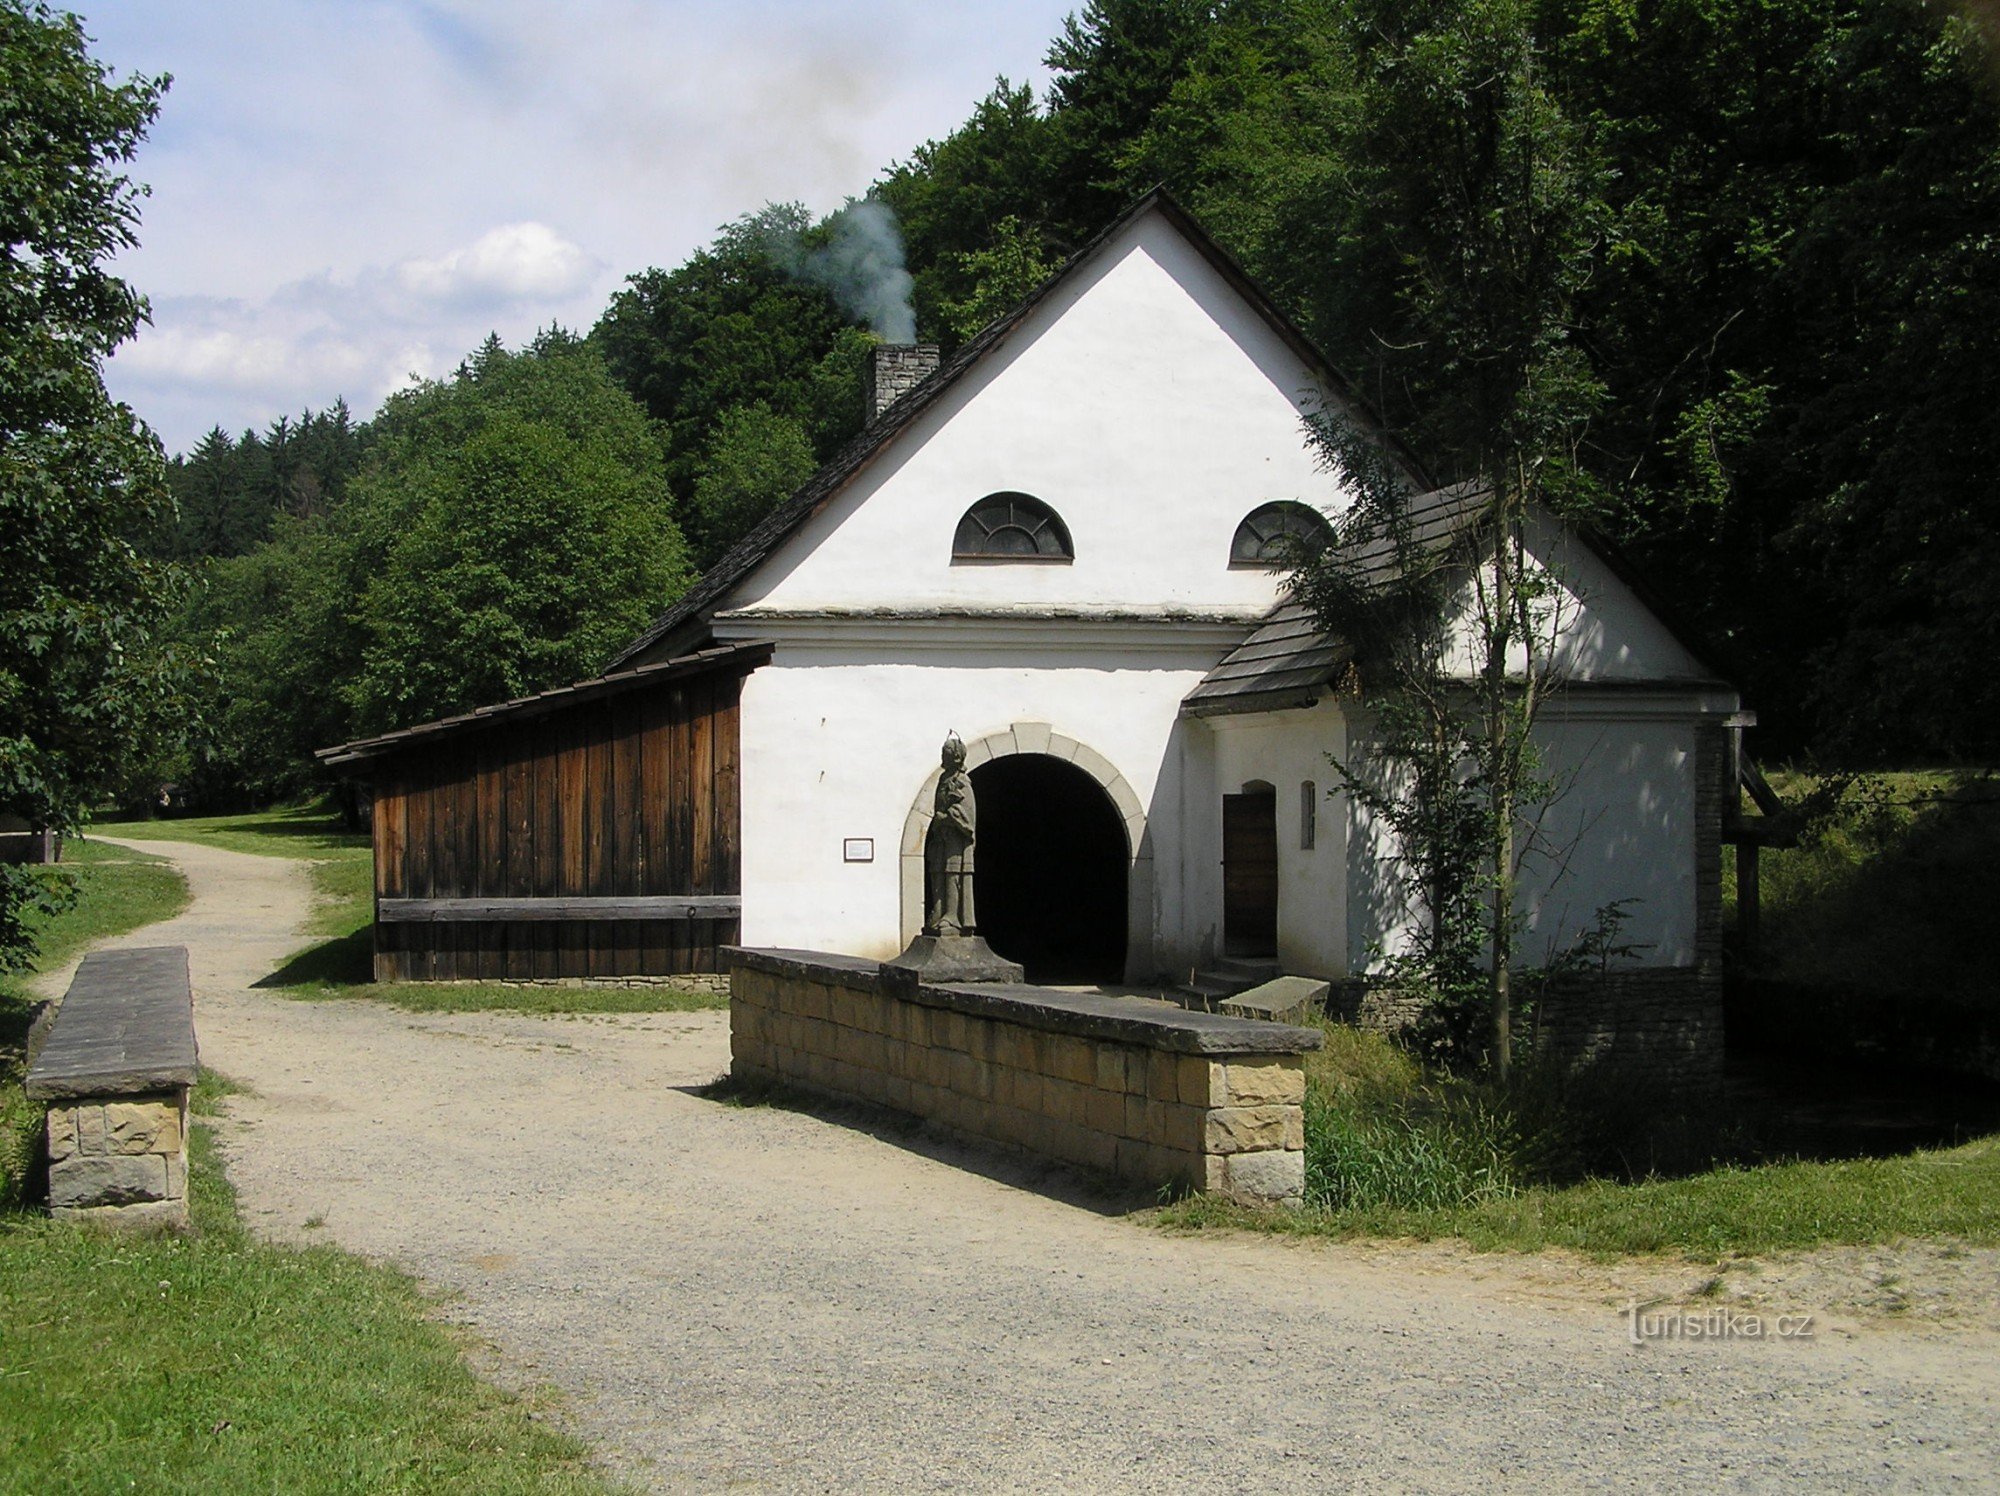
349	192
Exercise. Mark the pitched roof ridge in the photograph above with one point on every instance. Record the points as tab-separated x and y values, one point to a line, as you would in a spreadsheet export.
775	528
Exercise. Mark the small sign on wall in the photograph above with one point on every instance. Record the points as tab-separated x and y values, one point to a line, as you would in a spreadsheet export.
858	849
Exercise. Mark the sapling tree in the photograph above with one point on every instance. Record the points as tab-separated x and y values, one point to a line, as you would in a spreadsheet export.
1493	202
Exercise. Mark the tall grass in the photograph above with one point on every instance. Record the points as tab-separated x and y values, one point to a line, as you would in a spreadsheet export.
1381	1132
1395	1150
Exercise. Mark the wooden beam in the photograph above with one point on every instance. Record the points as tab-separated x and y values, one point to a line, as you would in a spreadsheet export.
418	911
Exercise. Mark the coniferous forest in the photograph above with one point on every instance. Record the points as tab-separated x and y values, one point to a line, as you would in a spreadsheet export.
1789	292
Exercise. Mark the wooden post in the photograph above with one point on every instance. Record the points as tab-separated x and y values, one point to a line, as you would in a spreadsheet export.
1746	895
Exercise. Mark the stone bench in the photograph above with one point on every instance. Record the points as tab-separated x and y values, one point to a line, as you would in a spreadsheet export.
1145	1091
115	1074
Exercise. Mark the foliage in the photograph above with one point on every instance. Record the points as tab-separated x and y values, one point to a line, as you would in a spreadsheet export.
1775	323
1490	201
229	493
510	531
953	197
280	632
85	688
755	460
997	278
1888	891
732	328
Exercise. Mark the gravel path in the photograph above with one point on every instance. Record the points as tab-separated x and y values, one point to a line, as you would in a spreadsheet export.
774	1301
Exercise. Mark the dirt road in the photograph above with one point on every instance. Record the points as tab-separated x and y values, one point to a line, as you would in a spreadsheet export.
766	1300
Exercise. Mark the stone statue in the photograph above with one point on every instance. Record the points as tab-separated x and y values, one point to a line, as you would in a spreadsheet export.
950	948
948	908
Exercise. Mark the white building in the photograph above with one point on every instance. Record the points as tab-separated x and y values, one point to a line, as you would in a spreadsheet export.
1048	546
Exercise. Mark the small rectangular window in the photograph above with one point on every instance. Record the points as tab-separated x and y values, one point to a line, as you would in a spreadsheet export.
1308	815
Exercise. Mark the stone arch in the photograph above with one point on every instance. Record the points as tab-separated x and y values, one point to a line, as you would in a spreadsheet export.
1040	737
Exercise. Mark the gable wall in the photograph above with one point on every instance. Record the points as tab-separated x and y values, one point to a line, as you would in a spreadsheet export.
1144	401
1606	633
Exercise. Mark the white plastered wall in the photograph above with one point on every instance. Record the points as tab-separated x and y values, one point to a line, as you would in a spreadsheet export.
839	742
1603	632
1286	750
1620	826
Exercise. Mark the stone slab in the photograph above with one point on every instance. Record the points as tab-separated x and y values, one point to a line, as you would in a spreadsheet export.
125	1027
1092	1015
144	1215
1285	1000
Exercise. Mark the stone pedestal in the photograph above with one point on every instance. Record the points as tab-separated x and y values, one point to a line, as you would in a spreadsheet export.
951	958
119	1160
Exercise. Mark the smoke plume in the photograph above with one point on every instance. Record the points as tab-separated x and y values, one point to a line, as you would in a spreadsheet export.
862	266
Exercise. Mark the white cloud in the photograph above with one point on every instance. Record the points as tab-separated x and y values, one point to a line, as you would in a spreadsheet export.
335	186
518	261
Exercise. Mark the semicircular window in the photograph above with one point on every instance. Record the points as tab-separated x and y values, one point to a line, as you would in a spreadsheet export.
1011	527
1281	533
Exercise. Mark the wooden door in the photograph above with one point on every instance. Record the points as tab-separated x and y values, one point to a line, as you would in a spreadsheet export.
1250	873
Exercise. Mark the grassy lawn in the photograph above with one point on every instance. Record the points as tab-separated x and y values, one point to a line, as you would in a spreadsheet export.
1394	1151
309	831
209	1361
339	963
117	891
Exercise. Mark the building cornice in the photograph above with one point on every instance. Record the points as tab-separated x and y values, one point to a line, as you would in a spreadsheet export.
1197	635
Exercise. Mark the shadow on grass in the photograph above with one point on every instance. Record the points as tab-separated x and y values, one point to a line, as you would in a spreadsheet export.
1067	1184
345	961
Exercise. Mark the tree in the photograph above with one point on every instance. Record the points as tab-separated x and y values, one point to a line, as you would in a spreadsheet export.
510	531
82	481
1493	201
731	328
755	460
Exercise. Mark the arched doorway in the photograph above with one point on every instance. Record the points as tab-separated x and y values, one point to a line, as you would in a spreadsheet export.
1051	869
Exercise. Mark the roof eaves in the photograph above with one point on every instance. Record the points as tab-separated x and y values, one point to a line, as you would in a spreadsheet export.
745	657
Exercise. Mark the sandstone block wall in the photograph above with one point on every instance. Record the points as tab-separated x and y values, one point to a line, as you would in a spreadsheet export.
121	1159
1141	1091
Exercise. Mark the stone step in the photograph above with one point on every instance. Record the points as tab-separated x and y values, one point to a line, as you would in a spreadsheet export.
1212	985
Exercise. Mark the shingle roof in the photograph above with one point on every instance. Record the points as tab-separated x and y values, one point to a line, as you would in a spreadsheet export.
701	601
732	657
1288	660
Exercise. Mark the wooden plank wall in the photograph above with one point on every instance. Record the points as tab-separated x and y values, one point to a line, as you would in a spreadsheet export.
631	795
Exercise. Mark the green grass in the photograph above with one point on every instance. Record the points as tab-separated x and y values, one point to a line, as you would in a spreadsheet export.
1395	1151
310	831
211	1362
117	892
338	965
1952	1193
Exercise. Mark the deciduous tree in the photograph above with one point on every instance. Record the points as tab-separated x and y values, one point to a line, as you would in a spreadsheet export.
82	483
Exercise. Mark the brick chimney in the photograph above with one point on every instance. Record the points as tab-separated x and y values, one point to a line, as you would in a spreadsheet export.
893	370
